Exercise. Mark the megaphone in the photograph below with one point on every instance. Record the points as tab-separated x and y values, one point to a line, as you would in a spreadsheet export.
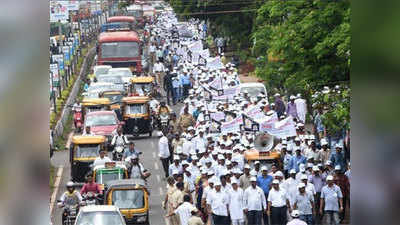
265	142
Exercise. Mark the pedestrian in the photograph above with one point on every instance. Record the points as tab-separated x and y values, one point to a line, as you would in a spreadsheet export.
185	80
297	159
186	119
304	202
296	221
183	210
254	203
342	181
324	154
264	182
301	107
195	218
164	154
171	188
278	204
319	127
331	202
236	203
167	85
337	158
218	205
175	90
291	109
318	181
279	105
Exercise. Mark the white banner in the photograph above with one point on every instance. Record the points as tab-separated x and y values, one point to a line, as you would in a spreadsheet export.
281	129
215	63
216	83
205	53
232	91
217	116
232	126
59	11
196	46
54	70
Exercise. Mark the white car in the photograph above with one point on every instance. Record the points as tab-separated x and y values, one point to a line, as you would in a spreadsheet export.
100	215
253	88
101	69
125	73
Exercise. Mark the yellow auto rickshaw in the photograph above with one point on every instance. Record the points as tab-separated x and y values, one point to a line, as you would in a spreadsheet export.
136	115
131	196
82	153
115	97
141	86
95	104
108	172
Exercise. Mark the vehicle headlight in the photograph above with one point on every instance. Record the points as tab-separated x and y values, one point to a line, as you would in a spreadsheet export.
141	219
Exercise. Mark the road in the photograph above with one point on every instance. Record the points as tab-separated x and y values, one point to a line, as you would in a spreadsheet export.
149	159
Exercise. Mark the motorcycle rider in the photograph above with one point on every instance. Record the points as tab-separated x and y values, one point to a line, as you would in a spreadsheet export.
131	151
91	186
119	140
70	198
136	169
163	109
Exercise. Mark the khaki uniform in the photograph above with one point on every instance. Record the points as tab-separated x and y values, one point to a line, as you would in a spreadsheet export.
176	200
244	181
173	220
185	121
195	220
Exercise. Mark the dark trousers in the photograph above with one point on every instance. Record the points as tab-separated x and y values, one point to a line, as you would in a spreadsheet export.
343	213
278	215
254	217
318	217
174	95
169	95
265	216
307	218
220	220
186	88
165	164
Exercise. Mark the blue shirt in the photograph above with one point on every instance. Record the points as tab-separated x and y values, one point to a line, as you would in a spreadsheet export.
185	80
264	183
296	161
338	159
128	153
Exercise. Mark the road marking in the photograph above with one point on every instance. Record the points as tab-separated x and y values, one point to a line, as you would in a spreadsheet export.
161	191
158	178
154	155
156	166
56	186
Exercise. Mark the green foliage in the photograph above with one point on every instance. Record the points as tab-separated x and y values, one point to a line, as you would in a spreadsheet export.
64	94
60	104
52	119
310	39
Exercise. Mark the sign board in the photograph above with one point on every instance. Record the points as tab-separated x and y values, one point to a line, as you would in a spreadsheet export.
215	63
281	129
233	125
59	11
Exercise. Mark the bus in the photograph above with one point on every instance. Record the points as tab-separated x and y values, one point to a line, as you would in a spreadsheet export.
119	23
120	49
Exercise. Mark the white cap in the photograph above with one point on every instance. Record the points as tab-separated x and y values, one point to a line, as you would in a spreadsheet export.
253	178
292	97
176	157
337	167
264	168
234	181
217	182
303	177
297	139
328	163
185	163
247	166
338	145
330	177
301	185
278	174
295	213
175	172
315	168
292	171
277	95
324	142
275	181
257	162
210	172
310	165
221	157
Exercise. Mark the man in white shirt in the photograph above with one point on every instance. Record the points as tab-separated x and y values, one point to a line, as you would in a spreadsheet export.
278	203
184	210
304	202
254	203
102	159
236	203
309	186
301	107
163	152
218	205
291	186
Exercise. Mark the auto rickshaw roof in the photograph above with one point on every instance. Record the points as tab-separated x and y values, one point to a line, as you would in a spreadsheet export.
254	154
121	19
136	99
124	183
142	79
87	139
95	101
117	166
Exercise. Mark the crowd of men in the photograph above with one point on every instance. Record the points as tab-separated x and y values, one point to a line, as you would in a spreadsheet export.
208	178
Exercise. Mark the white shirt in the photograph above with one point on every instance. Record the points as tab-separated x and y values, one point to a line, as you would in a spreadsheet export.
199	143
291	189
296	222
277	198
184	212
172	167
187	147
254	199
310	189
158	67
101	161
163	149
236	204
218	202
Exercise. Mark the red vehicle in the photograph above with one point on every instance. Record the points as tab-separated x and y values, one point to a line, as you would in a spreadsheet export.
103	123
120	49
122	22
78	120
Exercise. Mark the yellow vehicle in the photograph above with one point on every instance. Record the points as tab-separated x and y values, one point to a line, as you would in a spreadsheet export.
108	172
141	86
131	197
264	151
95	104
115	97
82	153
136	115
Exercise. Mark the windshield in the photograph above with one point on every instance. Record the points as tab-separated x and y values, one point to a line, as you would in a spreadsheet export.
113	97
142	87
135	13
87	150
117	25
119	49
101	120
136	108
128	199
103	176
253	91
124	73
100	71
99	218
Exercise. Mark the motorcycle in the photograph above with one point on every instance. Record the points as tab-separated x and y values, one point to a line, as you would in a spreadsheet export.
91	198
164	119
78	120
118	153
69	213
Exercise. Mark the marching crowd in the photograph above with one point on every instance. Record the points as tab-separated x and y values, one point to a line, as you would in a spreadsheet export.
209	180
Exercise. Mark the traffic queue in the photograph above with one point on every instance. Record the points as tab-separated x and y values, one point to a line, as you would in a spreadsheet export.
118	103
231	156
